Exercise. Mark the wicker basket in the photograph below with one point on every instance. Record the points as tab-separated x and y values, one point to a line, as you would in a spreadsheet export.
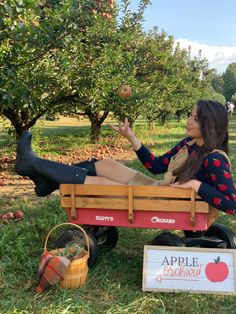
76	273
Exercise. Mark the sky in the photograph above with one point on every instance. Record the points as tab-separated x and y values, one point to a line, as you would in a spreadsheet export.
209	25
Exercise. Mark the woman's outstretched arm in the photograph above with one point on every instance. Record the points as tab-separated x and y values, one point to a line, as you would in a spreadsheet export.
155	164
125	130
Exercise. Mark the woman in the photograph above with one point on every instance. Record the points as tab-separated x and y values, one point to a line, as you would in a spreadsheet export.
202	155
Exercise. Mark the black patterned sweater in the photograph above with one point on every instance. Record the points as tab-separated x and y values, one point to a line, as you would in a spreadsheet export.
217	187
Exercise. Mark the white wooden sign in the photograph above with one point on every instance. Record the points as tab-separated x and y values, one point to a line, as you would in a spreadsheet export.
198	270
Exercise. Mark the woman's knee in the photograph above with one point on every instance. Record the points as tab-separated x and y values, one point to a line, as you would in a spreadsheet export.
114	170
105	166
99	181
107	162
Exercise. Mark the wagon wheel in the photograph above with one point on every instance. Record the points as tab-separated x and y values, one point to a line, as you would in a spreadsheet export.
107	237
222	232
167	238
74	235
193	234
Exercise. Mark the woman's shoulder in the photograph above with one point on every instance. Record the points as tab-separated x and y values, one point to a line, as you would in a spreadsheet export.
187	140
217	156
182	143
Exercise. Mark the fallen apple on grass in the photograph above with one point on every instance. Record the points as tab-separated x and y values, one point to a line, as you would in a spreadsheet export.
125	91
3	219
18	214
9	215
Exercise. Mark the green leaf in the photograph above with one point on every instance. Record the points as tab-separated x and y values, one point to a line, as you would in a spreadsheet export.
8	9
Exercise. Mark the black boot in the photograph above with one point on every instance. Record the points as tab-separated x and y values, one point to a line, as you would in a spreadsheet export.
57	172
44	187
89	165
28	164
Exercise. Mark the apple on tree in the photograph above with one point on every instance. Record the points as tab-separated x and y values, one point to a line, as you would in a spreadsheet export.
125	91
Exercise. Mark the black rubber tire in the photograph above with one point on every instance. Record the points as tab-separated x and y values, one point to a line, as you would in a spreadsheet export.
75	235
168	239
223	233
107	237
193	234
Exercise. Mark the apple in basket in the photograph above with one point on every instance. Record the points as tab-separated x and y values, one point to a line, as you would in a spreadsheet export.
72	251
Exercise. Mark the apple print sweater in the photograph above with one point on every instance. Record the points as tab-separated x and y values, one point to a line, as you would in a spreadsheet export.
217	187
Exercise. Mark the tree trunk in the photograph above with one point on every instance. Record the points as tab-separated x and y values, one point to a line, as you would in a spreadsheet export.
21	121
96	123
162	117
95	131
178	114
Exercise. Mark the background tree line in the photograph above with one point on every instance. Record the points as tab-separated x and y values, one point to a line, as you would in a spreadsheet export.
71	56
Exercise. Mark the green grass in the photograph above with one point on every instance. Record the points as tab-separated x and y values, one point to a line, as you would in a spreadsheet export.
114	284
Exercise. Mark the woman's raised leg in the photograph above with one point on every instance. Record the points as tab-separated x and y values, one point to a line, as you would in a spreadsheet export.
114	171
100	181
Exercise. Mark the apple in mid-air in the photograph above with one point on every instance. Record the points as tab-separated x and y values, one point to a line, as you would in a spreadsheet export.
125	91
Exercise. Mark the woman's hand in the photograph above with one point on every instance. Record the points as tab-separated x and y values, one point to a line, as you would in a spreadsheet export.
125	130
191	184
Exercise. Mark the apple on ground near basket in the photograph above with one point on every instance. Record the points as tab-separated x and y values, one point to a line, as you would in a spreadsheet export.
18	214
125	91
3	217
10	215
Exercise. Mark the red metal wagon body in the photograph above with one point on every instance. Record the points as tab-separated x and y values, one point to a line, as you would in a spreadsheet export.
157	207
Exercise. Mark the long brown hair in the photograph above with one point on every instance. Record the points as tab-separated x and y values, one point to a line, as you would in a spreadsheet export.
213	121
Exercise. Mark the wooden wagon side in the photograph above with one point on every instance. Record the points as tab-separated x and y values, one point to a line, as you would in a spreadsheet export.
161	207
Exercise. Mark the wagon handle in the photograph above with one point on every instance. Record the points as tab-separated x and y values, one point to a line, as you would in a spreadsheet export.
130	204
192	207
63	224
73	211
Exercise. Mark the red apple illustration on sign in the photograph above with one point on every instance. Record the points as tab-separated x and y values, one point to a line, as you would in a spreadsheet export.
217	271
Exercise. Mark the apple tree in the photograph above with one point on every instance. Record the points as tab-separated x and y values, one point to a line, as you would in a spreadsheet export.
184	81
63	56
31	33
70	56
107	59
229	77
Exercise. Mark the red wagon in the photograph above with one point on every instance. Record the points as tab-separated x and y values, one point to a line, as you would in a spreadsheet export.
101	209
